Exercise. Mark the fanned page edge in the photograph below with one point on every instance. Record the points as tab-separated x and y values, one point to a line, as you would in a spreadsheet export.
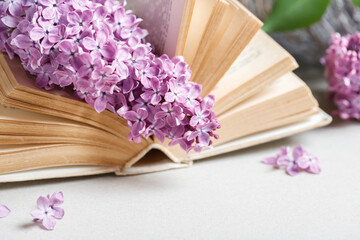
318	120
184	27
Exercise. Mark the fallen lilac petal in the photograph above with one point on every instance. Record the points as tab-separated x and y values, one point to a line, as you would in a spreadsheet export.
299	160
306	161
48	210
292	169
4	211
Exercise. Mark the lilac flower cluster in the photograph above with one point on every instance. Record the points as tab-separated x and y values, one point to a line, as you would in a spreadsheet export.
342	62
295	162
48	210
97	48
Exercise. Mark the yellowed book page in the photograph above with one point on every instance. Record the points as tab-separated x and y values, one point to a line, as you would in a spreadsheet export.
15	158
19	126
220	19
262	62
184	28
241	30
270	108
287	96
21	91
162	19
16	114
147	165
294	124
200	17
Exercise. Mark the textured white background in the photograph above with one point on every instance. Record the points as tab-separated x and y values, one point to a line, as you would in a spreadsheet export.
233	196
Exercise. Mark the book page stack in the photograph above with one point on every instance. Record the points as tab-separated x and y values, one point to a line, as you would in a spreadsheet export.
51	134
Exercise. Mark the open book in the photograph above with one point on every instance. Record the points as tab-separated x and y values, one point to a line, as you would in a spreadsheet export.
50	134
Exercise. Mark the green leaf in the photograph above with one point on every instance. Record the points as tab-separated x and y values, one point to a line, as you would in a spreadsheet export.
293	14
356	3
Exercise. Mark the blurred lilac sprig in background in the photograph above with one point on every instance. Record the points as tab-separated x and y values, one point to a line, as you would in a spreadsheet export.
342	69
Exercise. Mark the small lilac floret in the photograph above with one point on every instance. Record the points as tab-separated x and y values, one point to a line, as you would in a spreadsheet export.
306	160
299	160
97	48
48	210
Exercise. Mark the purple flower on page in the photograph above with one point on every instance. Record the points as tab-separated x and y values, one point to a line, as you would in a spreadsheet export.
34	60
77	39
4	211
156	93
156	129
46	75
112	8
105	77
30	3
133	35
69	54
136	120
175	133
22	41
78	22
208	102
141	103
192	97
46	32
100	45
98	49
11	21
14	6
89	64
200	116
306	161
99	19
64	77
100	103
48	210
128	86
138	60
176	67
119	63
202	134
52	8
172	114
177	92
123	20
148	73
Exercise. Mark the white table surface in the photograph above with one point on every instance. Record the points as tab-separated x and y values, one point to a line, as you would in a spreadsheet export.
233	196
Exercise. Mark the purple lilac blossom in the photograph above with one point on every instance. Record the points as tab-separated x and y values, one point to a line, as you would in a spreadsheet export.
97	48
342	69
306	161
48	210
299	160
